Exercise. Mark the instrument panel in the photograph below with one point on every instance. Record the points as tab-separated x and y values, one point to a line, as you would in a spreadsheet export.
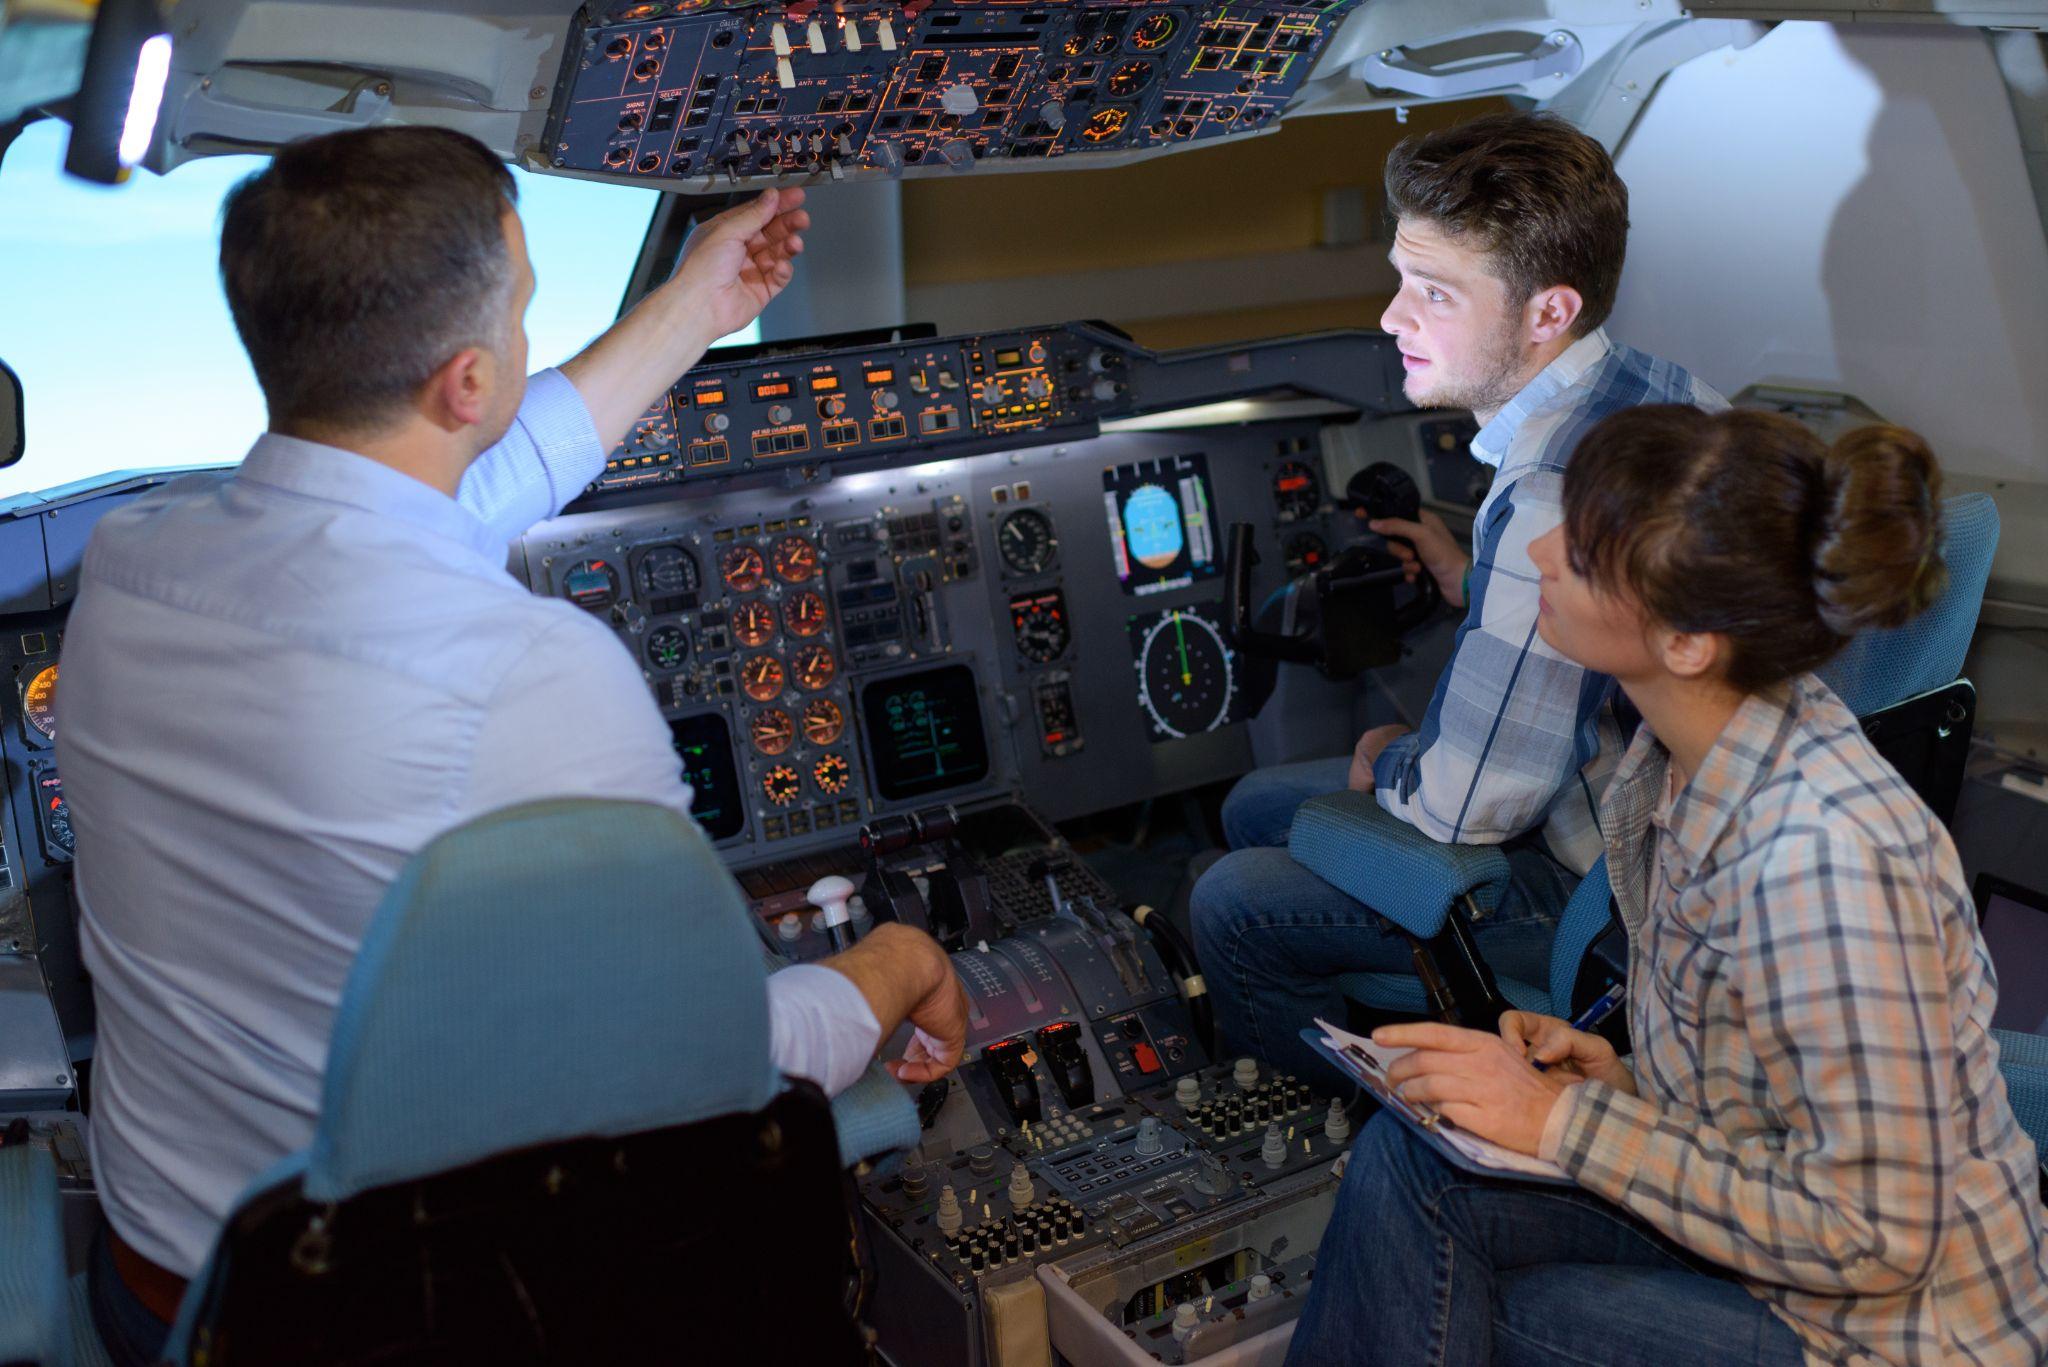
714	93
976	613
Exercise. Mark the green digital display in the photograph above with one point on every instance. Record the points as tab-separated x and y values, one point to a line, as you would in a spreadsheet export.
924	732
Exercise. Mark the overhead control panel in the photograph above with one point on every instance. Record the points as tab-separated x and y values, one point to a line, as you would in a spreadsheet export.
714	94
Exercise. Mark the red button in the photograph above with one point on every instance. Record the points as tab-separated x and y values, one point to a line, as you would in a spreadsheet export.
1148	1062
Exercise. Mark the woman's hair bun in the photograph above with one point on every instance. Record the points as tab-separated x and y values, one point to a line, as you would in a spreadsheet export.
1877	556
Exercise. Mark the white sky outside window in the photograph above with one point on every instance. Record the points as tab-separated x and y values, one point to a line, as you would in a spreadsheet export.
112	314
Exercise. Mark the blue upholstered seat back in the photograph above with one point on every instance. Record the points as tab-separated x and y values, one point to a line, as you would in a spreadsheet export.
558	969
1584	917
1880	668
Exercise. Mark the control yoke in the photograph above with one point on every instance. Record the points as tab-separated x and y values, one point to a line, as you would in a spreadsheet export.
1344	617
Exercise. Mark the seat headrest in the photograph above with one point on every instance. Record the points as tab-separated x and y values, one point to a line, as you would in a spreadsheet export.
552	970
1880	668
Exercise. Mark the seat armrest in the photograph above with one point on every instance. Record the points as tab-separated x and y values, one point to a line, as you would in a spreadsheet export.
874	1116
35	1312
1350	842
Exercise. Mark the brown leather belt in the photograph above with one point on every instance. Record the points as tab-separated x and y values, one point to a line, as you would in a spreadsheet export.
158	1290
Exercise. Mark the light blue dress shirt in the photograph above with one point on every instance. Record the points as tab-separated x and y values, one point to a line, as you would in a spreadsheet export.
278	686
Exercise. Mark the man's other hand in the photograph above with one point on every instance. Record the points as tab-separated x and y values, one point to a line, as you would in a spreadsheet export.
736	262
905	976
1367	752
1434	549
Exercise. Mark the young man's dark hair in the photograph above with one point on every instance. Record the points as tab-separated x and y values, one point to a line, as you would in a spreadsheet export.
355	265
1537	195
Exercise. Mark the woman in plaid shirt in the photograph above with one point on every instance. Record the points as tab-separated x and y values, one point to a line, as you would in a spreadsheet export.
1809	1157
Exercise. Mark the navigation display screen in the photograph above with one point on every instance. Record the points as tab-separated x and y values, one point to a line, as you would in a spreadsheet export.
705	747
1162	522
924	732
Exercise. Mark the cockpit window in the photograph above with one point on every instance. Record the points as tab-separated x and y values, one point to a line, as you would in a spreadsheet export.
111	308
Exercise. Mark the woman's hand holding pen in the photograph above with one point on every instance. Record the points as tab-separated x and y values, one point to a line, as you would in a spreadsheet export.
1550	1043
1478	1081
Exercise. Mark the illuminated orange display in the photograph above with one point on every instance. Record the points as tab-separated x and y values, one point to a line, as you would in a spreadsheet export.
880	375
813	667
773	389
831	773
753	623
782	785
761	678
743	568
772	731
823	721
824	384
708	398
804	613
796	559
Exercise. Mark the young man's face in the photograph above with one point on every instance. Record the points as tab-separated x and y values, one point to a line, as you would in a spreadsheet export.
1462	340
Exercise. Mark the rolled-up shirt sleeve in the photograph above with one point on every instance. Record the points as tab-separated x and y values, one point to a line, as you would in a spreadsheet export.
548	456
820	1026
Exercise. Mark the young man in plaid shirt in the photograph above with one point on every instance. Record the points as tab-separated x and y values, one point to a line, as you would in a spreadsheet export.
1511	234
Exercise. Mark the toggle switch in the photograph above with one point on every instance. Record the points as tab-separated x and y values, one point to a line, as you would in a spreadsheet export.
885	34
850	30
778	38
785	75
814	34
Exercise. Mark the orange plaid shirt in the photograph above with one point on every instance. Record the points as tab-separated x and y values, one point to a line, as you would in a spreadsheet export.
1818	1102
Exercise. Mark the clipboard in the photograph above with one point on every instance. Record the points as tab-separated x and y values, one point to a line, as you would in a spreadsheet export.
1364	1062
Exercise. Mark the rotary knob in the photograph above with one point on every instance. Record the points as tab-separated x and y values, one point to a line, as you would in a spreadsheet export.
885	399
1037	387
779	414
960	100
834	406
715	423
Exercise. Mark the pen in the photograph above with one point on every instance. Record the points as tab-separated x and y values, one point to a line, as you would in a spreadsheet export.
1603	1007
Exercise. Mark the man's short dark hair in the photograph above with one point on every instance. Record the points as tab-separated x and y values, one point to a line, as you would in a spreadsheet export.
1538	196
358	263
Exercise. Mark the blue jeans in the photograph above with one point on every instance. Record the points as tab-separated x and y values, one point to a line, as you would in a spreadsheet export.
1261	807
130	1333
1426	1264
1273	939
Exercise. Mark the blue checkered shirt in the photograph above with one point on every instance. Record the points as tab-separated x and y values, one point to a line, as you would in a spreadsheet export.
1518	738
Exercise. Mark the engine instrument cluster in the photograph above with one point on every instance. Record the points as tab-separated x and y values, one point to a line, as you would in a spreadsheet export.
719	92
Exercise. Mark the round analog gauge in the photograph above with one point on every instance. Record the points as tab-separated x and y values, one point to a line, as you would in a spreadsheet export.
753	623
39	701
1075	45
1039	622
665	571
1153	30
796	559
743	569
666	648
1027	541
1305	551
782	785
772	731
761	678
591	584
1185	681
823	721
804	613
813	667
1297	493
1106	124
831	774
1128	79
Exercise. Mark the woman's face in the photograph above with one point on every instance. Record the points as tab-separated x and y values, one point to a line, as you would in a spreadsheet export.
1602	631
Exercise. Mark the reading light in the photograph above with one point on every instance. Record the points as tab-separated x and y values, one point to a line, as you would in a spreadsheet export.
114	113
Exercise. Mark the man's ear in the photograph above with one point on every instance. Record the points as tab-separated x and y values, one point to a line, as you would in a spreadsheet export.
1691	654
457	395
1552	312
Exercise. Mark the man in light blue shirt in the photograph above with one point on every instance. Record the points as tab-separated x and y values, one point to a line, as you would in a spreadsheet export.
281	684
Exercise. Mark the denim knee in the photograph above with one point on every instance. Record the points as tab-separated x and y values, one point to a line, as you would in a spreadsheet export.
1219	907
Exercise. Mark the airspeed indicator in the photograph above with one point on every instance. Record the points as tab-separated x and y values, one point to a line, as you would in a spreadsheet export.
1187	680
